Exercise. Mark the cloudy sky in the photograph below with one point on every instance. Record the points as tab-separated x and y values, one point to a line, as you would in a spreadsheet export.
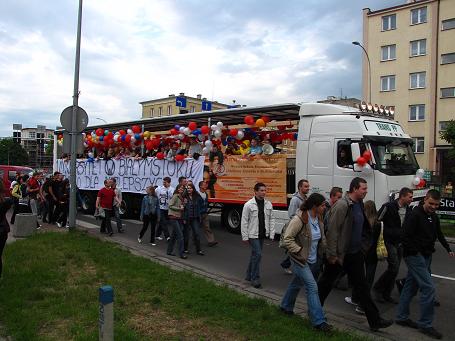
256	52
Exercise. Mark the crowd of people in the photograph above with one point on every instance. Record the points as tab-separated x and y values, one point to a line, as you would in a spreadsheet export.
328	239
171	213
192	147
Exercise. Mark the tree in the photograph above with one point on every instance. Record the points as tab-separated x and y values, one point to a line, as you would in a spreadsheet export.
448	135
49	150
12	153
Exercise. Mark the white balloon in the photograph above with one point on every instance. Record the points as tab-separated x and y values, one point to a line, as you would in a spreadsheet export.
416	181
129	131
133	139
208	143
181	129
220	124
116	138
187	131
240	135
214	127
217	133
90	154
85	145
420	172
357	167
205	150
181	136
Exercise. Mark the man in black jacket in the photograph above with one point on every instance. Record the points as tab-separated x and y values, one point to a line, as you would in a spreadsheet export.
392	215
420	232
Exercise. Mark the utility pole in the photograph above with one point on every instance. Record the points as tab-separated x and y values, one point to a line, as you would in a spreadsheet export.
73	132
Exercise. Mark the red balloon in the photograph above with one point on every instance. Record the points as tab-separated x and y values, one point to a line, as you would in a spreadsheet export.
361	161
128	138
179	157
422	183
110	134
249	120
205	130
122	132
99	132
173	131
136	129
266	119
281	128
367	155
233	132
160	156
192	125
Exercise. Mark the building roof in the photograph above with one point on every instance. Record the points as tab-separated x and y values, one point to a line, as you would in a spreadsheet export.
398	7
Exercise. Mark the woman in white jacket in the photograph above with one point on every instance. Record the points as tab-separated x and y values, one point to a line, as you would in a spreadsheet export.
257	224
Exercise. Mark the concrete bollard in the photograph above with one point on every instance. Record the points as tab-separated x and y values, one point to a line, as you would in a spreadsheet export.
25	224
106	319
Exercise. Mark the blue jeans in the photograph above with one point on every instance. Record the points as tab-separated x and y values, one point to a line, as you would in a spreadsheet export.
252	273
177	236
418	278
303	275
195	226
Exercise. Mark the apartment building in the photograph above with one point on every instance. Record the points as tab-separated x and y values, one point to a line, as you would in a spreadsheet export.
35	141
411	48
174	105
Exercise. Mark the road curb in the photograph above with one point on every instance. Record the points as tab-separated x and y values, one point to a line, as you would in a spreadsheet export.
357	324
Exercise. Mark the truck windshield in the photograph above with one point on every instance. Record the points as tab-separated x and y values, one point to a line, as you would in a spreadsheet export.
394	157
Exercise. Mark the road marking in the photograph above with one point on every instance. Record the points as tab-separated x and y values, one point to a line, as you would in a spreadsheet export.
443	277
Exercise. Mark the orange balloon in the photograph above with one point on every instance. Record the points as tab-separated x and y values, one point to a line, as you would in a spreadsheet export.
260	122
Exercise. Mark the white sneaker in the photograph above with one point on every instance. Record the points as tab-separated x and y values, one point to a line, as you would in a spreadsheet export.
168	238
139	240
153	244
159	238
288	271
349	300
59	224
359	310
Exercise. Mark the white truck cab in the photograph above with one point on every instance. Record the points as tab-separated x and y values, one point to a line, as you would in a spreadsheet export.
332	137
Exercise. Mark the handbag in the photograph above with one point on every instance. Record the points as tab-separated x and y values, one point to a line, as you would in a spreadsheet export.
381	250
99	213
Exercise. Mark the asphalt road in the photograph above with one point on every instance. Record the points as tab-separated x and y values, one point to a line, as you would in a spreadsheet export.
230	257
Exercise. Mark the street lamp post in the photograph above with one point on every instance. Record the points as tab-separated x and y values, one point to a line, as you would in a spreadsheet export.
369	68
101	119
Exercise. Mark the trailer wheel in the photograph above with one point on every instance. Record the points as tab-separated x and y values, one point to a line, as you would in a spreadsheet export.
231	218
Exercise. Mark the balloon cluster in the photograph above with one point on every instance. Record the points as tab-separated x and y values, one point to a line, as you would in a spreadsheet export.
362	161
260	122
104	139
418	180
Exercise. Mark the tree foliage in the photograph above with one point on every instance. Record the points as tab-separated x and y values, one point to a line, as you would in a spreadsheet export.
448	135
13	152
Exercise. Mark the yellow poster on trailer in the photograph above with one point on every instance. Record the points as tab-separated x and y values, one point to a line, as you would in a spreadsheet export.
233	180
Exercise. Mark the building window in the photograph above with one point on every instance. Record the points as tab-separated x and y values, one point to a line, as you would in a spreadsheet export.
160	111
32	135
388	83
389	22
388	52
169	110
417	80
447	92
417	112
443	125
419	144
192	108
152	112
418	47
418	16
448	58
448	24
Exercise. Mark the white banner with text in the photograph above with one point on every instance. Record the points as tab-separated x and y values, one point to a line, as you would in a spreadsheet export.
132	175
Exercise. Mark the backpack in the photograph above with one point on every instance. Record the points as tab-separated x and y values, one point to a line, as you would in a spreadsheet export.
281	243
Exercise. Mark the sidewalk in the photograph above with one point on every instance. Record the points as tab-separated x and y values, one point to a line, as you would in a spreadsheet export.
357	325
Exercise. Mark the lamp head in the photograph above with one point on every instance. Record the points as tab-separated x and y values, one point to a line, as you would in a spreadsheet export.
356	43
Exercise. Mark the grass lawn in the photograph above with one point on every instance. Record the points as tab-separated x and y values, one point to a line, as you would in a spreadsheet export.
49	291
448	228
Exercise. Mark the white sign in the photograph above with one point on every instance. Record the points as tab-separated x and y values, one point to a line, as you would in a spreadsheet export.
132	175
384	128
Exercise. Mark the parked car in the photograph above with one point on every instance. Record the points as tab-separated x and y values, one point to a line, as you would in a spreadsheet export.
8	175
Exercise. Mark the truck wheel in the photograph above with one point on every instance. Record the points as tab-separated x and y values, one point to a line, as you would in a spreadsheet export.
231	218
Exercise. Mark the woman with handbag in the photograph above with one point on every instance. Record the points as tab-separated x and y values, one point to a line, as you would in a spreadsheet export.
305	241
5	205
175	214
16	194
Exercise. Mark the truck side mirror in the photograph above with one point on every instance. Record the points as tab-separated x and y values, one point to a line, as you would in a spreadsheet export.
355	151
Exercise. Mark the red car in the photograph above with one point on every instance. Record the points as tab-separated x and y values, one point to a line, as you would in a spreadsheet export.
8	175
